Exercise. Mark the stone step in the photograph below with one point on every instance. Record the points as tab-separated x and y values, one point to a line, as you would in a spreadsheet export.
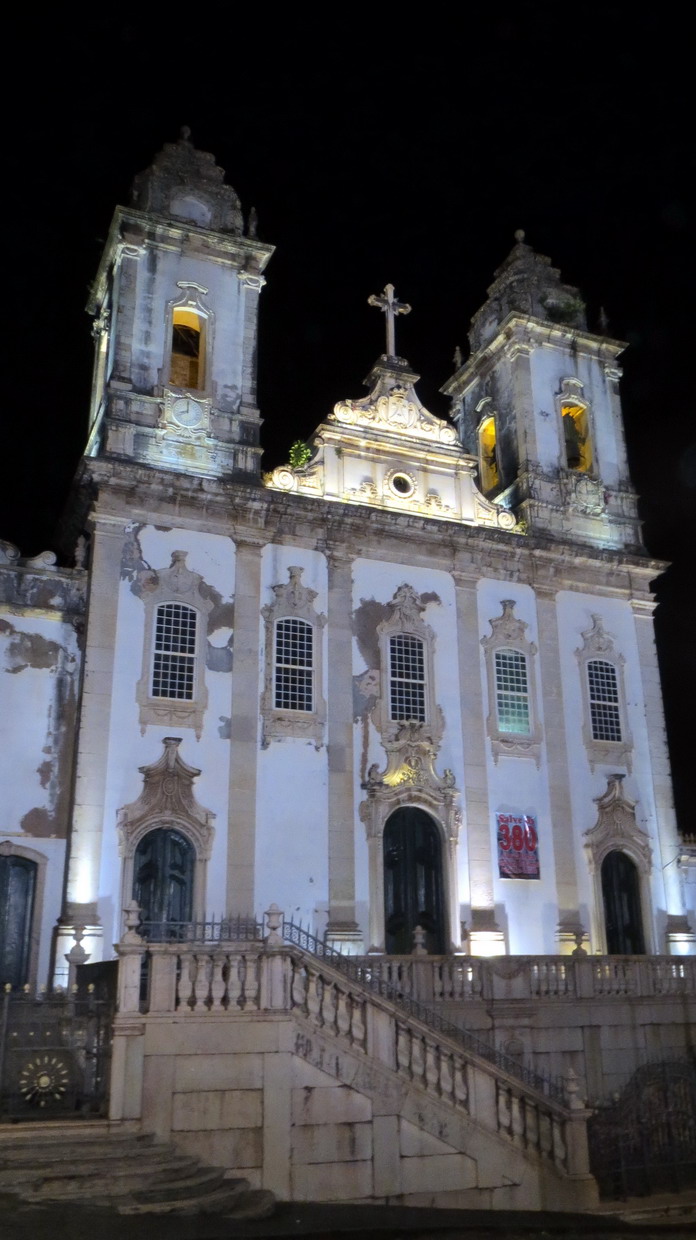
239	1201
123	1171
98	1152
78	1182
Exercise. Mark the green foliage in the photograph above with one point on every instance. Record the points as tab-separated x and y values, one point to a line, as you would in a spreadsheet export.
299	454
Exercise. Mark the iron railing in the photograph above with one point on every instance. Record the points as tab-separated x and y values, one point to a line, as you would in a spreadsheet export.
239	929
360	971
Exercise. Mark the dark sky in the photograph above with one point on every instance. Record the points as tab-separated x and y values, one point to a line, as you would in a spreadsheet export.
374	149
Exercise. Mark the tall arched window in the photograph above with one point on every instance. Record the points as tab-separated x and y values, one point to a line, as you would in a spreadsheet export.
187	365
406	678
174	652
294	665
603	690
512	692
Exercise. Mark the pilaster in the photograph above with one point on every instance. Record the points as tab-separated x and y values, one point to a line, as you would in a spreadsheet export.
342	929
82	887
560	804
244	729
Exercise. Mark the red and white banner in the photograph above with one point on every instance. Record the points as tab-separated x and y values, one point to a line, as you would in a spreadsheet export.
518	846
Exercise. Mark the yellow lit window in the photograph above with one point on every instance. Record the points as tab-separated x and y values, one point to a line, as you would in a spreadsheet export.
488	461
187	363
578	448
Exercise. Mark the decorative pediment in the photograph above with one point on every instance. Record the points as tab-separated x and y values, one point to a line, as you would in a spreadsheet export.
293	598
596	641
397	410
616	829
507	627
371	452
167	797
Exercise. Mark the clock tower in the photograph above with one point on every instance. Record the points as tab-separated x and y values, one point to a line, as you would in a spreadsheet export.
175	307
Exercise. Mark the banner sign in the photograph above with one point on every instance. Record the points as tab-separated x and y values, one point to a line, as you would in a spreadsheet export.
518	846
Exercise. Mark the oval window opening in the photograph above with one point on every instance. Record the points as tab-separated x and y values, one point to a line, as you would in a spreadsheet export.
402	485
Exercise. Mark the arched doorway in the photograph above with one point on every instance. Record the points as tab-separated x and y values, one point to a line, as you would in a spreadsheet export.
413	887
17	887
163	880
622	912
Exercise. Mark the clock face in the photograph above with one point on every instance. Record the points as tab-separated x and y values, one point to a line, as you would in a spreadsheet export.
187	412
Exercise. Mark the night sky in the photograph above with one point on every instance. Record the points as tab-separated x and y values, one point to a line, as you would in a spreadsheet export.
374	150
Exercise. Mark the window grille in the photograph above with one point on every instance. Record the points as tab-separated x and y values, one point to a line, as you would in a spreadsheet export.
512	691
175	652
604	701
294	666
407	678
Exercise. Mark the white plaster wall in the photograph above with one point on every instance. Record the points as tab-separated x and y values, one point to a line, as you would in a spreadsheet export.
574	616
213	557
526	908
292	775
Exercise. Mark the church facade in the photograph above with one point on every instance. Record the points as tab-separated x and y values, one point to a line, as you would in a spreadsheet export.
404	687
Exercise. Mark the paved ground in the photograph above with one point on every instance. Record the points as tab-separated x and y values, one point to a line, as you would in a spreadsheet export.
673	1217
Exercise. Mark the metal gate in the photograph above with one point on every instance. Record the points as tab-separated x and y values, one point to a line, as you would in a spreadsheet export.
55	1055
645	1142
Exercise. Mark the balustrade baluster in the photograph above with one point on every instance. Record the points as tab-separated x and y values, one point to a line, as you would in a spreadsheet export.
189	970
516	1118
559	1147
403	1049
299	986
218	987
504	1109
328	1007
446	1075
545	1134
532	1125
314	997
234	983
432	1067
204	982
417	1059
461	1084
358	1028
343	1013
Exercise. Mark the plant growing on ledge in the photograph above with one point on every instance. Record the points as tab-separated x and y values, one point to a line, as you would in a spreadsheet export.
299	454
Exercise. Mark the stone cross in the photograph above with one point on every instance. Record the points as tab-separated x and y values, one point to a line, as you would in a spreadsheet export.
388	303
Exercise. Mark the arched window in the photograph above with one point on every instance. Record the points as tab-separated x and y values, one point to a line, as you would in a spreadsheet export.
294	665
174	652
187	365
512	692
603	690
488	458
17	888
575	426
163	869
622	913
406	678
292	704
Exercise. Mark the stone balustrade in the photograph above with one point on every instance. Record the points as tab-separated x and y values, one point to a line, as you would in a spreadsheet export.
459	978
207	981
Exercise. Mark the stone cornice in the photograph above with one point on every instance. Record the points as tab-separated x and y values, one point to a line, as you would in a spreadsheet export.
514	327
123	490
137	226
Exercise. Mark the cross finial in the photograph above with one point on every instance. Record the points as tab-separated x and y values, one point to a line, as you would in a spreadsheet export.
390	306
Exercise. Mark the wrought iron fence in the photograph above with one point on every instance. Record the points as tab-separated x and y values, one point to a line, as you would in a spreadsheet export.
645	1141
239	929
360	971
55	1055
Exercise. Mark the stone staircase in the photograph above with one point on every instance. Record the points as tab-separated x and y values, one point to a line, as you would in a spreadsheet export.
103	1165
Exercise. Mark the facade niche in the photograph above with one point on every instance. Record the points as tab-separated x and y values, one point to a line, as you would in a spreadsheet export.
190	325
489	472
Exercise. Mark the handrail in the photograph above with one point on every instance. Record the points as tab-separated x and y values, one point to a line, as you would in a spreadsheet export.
355	969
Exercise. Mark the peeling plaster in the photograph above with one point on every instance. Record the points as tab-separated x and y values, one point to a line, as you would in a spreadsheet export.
44	773
225	728
31	650
219	658
132	563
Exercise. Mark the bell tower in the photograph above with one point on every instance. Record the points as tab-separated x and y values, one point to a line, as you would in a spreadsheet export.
175	307
538	403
